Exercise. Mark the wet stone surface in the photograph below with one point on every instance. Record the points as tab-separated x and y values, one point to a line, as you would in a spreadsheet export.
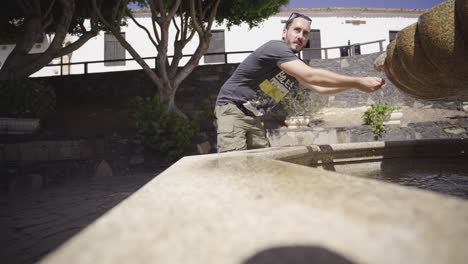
35	223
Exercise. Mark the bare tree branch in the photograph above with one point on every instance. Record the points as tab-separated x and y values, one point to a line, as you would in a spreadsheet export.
204	38
193	15
179	46
76	44
114	12
154	20
192	34
160	5
36	4
200	10
164	67
174	9
129	13
49	10
177	29
20	62
22	5
82	26
66	14
214	10
183	26
152	75
124	6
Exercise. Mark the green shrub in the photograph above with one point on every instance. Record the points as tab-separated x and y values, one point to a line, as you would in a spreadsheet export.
26	98
162	131
208	116
301	102
376	115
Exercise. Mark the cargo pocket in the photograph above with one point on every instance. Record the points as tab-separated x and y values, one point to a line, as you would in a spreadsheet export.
225	137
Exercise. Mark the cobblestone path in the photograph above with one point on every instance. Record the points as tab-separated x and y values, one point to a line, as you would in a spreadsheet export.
33	224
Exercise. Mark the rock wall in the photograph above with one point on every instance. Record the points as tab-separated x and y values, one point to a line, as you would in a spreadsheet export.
74	157
202	86
363	66
117	88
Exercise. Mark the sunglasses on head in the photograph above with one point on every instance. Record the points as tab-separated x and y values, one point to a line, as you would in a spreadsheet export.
295	15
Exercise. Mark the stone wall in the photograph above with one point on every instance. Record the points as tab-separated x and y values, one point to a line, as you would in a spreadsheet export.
116	88
82	156
202	86
454	129
363	65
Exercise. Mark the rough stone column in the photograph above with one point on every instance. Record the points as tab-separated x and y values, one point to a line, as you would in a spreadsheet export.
429	59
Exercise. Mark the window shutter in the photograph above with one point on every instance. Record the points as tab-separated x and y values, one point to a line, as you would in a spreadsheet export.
217	44
314	42
392	35
113	50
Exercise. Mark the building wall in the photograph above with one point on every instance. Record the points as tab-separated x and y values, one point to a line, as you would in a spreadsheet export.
202	86
332	23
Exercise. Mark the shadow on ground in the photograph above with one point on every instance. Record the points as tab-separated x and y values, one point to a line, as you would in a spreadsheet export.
36	223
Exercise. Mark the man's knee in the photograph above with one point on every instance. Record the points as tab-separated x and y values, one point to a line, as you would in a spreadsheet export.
257	140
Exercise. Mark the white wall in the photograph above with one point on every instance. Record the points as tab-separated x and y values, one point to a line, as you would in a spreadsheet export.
332	25
5	50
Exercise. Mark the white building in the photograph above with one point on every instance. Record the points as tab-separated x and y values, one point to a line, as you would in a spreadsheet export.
331	27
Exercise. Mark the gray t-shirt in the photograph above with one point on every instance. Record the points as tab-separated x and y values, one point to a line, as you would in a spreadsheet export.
258	83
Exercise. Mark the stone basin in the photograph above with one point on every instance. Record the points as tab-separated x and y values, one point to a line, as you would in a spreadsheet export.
263	205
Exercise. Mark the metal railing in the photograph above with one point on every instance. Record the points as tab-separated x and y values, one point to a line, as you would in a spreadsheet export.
351	48
87	63
351	52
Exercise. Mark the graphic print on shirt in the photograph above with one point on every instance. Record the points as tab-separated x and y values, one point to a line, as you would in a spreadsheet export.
270	93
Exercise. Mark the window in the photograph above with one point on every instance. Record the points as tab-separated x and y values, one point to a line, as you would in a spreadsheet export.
216	46
315	42
393	35
344	51
357	50
113	50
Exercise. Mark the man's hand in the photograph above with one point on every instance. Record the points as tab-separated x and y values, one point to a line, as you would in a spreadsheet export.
370	84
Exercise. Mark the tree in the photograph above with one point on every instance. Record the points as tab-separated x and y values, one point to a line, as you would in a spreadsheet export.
24	22
189	18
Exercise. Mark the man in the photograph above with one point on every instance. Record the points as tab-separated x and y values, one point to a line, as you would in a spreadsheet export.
265	77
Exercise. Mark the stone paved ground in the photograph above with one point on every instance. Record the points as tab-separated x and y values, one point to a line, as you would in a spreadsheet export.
32	224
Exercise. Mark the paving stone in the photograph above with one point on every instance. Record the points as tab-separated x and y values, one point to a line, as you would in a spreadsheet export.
33	224
455	131
103	170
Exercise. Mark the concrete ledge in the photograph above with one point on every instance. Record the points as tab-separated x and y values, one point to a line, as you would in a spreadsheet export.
226	208
352	134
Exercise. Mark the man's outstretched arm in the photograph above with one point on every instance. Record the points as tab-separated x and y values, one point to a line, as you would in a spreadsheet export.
324	81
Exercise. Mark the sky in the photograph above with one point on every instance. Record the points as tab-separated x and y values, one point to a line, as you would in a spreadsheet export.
407	4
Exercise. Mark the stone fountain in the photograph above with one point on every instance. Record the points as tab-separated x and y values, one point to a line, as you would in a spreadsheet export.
263	206
429	59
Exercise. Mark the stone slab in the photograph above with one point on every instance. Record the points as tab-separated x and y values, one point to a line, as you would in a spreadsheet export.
228	208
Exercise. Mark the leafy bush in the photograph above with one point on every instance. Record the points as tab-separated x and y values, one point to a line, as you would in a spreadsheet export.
26	98
162	131
207	116
376	115
301	102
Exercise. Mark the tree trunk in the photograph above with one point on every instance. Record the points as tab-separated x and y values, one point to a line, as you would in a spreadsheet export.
168	95
20	63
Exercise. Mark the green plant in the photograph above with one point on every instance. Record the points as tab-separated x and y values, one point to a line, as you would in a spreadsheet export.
26	98
207	116
301	102
376	115
162	130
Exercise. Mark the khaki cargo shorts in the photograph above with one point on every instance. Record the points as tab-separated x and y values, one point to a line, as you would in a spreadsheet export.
237	131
